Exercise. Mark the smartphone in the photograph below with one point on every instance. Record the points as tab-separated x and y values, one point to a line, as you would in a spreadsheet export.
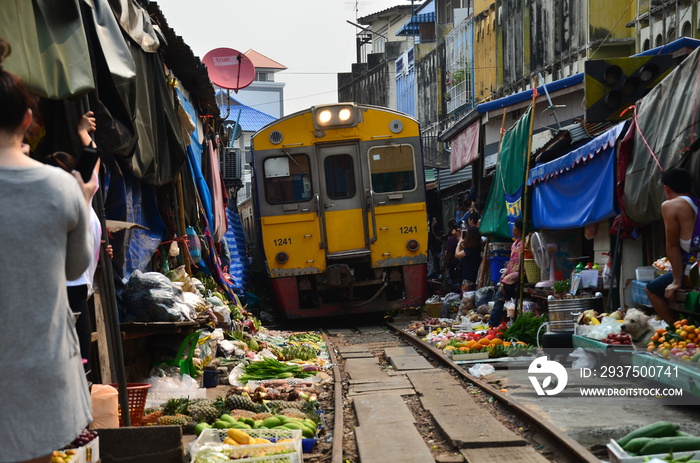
87	161
464	229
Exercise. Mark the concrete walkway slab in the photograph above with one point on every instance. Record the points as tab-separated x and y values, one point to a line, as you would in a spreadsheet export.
357	355
410	362
352	349
395	442
396	392
394	383
511	455
338	331
364	369
370	329
461	419
399	351
381	410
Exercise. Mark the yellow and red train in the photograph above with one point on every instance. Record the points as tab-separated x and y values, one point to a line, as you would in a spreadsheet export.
339	210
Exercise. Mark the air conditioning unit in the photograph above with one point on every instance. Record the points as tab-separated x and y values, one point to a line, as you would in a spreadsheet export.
231	165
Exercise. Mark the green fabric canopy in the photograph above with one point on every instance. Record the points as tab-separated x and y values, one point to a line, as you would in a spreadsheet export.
50	50
508	178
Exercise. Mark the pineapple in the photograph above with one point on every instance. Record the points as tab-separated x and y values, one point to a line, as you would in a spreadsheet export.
152	417
262	416
175	406
174	420
241	402
200	413
236	413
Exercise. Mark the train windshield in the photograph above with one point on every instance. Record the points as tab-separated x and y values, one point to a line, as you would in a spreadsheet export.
392	168
287	179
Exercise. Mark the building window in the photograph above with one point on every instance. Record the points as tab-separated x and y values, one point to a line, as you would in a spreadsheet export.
460	58
262	77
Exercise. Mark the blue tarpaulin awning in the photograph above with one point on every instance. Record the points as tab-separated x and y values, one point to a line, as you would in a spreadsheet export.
581	182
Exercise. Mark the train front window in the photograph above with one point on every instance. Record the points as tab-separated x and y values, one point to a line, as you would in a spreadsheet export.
287	179
392	168
340	176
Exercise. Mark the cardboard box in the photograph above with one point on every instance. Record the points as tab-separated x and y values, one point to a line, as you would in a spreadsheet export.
92	450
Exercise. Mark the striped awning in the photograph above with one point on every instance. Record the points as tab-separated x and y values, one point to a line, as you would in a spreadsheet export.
426	15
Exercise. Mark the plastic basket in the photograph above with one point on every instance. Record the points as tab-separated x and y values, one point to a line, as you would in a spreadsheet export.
213	438
136	393
639	295
532	271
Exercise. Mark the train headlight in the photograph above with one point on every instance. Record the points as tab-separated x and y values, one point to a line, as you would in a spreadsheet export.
412	245
335	116
344	114
282	257
324	117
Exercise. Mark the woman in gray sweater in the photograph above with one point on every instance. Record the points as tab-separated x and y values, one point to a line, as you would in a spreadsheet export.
44	400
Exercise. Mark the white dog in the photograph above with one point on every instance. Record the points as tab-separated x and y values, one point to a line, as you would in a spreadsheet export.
636	324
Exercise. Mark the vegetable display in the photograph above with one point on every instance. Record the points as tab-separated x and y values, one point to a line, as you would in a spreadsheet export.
269	368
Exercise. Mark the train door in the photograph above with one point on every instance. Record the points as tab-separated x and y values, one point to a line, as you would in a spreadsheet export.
340	202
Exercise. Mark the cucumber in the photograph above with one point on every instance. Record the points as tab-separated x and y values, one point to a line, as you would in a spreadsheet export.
636	444
658	429
668	444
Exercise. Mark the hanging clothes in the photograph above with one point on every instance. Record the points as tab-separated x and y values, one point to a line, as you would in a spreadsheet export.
212	175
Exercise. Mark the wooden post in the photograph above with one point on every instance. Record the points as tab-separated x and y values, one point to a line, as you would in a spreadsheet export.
524	198
102	345
182	230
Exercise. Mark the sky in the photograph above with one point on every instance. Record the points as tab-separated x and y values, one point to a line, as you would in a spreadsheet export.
310	37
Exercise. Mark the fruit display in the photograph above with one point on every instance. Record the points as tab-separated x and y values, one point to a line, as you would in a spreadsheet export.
221	445
618	339
293	404
677	343
83	439
63	456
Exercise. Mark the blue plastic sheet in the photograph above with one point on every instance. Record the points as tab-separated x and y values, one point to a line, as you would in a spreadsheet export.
580	183
235	239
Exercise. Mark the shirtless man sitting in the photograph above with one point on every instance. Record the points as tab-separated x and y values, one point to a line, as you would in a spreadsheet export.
679	212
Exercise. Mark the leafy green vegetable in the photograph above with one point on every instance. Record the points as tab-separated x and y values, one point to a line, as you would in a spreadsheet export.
270	368
524	328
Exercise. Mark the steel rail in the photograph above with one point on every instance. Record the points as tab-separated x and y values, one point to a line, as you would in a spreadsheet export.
569	446
338	419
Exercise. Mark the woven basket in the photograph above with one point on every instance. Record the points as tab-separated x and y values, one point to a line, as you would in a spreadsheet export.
136	393
532	271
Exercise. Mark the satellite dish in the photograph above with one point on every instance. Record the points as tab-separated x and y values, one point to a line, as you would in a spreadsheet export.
544	254
229	68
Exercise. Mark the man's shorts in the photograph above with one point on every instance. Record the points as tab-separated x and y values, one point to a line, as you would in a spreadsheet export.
658	286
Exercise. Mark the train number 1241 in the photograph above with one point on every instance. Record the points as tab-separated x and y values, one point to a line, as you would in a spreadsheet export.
282	241
407	230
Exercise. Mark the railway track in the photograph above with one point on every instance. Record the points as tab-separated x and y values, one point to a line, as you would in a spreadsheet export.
395	387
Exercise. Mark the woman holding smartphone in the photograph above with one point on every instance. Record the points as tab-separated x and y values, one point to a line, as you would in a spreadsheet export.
43	243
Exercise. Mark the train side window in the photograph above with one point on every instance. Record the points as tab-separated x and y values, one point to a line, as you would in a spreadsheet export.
392	168
340	176
287	179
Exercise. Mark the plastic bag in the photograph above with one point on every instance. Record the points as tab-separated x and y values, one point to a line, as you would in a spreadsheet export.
447	303
582	359
105	406
151	297
481	369
485	295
